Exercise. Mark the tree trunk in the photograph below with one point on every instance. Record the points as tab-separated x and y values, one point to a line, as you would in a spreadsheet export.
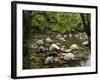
27	21
86	24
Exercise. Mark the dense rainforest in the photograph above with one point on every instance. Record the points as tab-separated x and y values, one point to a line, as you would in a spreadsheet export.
44	30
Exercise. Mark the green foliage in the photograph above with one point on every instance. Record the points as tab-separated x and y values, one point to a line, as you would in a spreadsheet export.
62	22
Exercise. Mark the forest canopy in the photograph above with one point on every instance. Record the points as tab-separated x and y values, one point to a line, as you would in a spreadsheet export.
62	22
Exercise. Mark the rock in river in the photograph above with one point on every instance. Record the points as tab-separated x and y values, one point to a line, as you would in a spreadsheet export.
58	36
39	42
65	36
68	50
85	43
74	47
34	46
68	56
41	49
70	35
49	60
54	47
61	39
48	40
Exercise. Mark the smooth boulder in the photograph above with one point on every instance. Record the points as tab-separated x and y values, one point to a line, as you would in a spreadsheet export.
54	47
85	43
39	42
68	50
48	40
49	60
68	56
41	49
70	35
74	47
58	36
34	46
61	39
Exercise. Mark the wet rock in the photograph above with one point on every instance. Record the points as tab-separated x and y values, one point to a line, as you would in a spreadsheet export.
48	40
54	47
58	44
39	42
70	35
76	36
41	49
46	49
58	36
62	47
65	36
74	47
49	60
68	50
61	39
68	56
83	36
85	43
80	38
34	46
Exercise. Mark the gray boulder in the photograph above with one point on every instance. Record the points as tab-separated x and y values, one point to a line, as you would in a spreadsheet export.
83	36
34	46
76	36
65	36
70	35
58	36
58	44
54	47
48	40
39	42
74	47
41	49
85	43
68	50
68	56
62	47
49	60
61	39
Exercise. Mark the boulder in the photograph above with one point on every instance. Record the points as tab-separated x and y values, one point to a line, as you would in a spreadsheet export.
61	39
74	47
48	40
70	35
65	36
41	49
85	43
80	38
34	46
83	36
49	60
46	49
68	56
68	50
58	36
62	47
76	36
39	42
58	44
54	47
